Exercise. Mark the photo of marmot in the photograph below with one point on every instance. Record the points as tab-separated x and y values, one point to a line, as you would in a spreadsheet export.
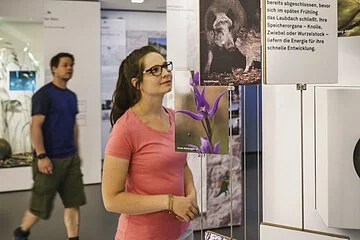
230	42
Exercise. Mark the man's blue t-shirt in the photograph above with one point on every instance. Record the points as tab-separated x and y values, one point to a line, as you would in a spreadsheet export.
59	106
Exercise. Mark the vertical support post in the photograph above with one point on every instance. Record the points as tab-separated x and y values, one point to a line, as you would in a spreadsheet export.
302	88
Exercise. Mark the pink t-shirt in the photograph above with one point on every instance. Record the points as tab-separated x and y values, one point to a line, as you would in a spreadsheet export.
155	168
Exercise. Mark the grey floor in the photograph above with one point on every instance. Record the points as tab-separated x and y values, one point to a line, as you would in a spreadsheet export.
96	223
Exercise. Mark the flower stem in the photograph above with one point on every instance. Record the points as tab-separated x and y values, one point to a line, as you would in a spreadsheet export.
205	129
208	126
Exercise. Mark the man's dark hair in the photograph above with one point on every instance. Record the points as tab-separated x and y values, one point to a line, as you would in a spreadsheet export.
54	62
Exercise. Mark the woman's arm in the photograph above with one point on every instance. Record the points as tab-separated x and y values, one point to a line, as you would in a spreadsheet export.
190	190
117	200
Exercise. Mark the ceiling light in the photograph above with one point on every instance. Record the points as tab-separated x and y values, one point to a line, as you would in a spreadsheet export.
137	1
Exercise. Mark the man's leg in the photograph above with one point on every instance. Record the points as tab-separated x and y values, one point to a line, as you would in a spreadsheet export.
28	221
41	204
73	196
72	221
23	231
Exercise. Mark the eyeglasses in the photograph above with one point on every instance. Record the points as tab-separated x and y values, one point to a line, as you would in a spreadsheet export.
157	69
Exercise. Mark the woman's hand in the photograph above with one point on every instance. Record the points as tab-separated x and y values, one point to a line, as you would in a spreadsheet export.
185	208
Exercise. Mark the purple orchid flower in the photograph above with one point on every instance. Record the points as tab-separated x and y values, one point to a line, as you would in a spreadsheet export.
206	146
195	80
202	106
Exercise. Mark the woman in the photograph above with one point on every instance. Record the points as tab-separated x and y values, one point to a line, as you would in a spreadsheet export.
144	179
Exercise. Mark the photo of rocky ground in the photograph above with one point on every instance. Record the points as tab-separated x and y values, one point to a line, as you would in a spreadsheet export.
218	190
234	78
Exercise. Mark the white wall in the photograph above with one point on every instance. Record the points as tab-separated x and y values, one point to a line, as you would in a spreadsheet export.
139	21
281	155
80	35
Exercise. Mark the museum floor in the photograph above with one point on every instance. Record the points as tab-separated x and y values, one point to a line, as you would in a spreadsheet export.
96	223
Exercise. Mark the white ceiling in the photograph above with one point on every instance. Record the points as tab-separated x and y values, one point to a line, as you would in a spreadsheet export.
148	5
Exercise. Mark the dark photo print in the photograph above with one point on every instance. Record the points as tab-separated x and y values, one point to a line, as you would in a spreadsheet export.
22	80
230	42
159	44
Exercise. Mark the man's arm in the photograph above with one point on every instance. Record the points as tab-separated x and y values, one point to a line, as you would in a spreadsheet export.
36	133
44	165
76	136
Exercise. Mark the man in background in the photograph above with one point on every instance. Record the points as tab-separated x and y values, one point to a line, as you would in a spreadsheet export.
56	166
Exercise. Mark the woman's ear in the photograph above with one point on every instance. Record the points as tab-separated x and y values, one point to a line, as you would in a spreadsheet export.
134	82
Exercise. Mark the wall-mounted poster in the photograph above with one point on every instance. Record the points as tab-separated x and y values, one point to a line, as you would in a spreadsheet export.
106	106
22	80
230	42
202	124
136	39
348	18
113	51
159	43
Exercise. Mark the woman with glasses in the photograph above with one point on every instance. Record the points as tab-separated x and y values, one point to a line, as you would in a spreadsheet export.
144	179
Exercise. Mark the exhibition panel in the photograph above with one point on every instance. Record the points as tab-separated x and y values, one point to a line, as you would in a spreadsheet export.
337	134
229	186
324	128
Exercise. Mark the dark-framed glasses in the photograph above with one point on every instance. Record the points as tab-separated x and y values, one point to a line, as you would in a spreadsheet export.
157	69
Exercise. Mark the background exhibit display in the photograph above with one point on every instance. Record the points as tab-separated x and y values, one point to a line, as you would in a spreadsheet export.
20	75
183	50
193	104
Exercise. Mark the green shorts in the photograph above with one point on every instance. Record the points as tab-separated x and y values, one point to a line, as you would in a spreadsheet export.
66	179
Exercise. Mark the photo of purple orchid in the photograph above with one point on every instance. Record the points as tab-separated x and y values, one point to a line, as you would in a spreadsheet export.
201	116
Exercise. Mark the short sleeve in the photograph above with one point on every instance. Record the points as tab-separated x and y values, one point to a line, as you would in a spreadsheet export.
119	143
76	104
40	103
